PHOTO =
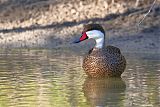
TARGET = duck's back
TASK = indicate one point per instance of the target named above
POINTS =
(104, 62)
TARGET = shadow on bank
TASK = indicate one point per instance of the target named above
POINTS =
(74, 23)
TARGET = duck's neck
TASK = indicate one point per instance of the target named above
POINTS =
(99, 43)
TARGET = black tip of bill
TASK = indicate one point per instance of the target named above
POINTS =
(76, 41)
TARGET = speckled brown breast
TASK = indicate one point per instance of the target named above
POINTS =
(105, 62)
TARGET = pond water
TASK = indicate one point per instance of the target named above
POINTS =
(54, 78)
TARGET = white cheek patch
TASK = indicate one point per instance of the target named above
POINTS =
(98, 36)
(95, 34)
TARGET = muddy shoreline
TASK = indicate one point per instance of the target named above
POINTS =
(46, 31)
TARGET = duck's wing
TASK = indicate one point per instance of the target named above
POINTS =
(116, 60)
(113, 49)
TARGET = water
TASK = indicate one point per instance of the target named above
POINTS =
(54, 78)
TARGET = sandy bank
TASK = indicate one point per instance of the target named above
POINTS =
(51, 24)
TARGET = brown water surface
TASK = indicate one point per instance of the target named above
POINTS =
(55, 78)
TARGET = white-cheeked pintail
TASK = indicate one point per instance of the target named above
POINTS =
(101, 61)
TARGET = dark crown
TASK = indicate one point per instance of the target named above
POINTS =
(90, 27)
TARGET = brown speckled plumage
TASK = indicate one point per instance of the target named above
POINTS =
(105, 61)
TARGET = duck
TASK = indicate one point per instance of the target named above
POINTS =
(101, 60)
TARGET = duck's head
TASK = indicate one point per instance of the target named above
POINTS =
(93, 31)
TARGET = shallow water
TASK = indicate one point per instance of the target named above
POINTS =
(54, 78)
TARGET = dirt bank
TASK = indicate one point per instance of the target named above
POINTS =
(55, 23)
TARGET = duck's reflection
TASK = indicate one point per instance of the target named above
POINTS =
(104, 92)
